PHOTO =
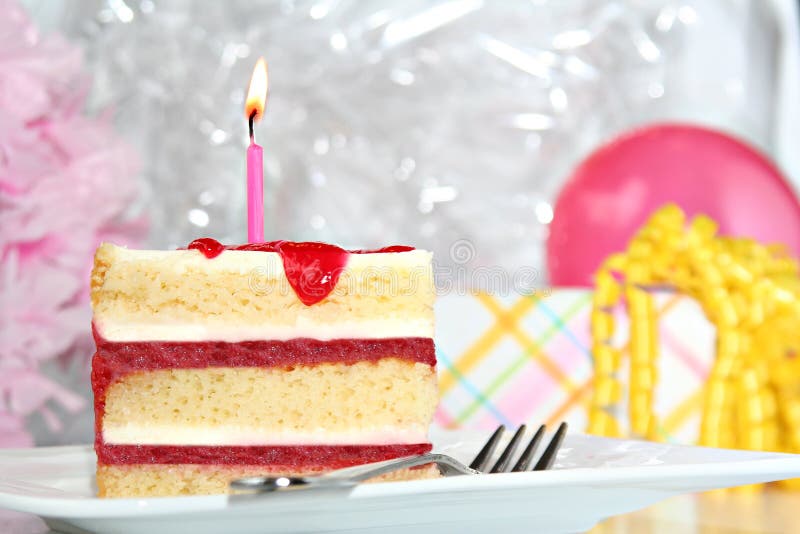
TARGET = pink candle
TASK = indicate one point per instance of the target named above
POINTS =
(255, 193)
(254, 109)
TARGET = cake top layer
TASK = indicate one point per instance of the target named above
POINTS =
(243, 295)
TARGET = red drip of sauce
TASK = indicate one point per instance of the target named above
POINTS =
(312, 268)
(278, 458)
(211, 248)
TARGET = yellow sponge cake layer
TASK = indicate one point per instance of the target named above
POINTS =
(144, 480)
(385, 401)
(140, 295)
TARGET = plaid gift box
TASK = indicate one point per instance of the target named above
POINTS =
(526, 358)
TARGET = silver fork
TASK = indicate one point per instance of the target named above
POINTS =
(448, 466)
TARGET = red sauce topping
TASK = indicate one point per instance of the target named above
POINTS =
(312, 268)
(278, 458)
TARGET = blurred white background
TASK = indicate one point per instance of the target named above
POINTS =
(421, 122)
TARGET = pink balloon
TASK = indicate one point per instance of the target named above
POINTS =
(613, 192)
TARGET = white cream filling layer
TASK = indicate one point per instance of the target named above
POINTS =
(371, 329)
(130, 434)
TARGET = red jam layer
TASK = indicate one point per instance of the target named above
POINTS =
(312, 268)
(115, 359)
(297, 458)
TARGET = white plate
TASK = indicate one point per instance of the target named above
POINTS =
(594, 478)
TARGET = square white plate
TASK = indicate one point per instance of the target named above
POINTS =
(594, 478)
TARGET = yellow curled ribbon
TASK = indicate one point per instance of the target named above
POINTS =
(750, 292)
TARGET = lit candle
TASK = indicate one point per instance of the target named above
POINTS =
(253, 110)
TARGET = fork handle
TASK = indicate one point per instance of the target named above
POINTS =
(447, 465)
(351, 476)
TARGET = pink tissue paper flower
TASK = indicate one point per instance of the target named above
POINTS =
(66, 182)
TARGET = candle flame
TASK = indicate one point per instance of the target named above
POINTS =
(257, 93)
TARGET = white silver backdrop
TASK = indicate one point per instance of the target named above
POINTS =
(417, 122)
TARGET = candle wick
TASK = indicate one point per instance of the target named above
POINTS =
(250, 122)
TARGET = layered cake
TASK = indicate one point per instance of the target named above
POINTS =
(281, 358)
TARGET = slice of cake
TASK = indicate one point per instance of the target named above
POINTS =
(282, 358)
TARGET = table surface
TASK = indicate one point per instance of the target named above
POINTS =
(770, 511)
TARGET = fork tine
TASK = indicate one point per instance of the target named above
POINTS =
(549, 454)
(480, 461)
(526, 458)
(505, 458)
